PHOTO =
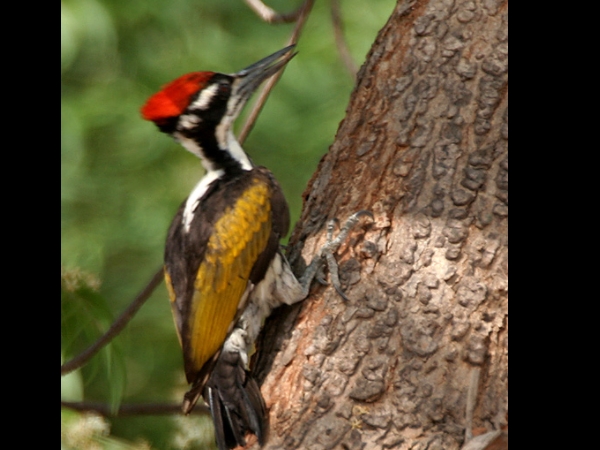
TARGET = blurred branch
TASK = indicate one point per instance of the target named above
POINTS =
(131, 409)
(340, 42)
(264, 93)
(270, 15)
(115, 328)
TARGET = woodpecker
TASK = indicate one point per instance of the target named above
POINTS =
(223, 266)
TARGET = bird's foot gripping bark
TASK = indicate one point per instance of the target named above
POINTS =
(326, 254)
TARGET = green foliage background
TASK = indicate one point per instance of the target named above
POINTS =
(122, 180)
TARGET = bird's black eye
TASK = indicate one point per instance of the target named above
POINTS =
(224, 88)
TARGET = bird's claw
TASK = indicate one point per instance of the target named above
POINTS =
(332, 245)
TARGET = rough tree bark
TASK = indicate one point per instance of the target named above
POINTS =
(424, 147)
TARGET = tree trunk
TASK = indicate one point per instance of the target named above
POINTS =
(424, 334)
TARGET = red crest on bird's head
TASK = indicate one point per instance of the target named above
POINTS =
(174, 98)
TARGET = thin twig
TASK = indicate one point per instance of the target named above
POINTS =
(264, 93)
(131, 409)
(269, 15)
(115, 328)
(340, 42)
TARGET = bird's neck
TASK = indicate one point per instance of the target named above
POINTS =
(219, 151)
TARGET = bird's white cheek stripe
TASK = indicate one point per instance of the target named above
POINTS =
(203, 100)
(188, 121)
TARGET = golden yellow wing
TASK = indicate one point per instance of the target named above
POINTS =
(237, 239)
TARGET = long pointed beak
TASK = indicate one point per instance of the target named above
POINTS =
(252, 76)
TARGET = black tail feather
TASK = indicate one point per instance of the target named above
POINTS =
(223, 433)
(235, 402)
(255, 403)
